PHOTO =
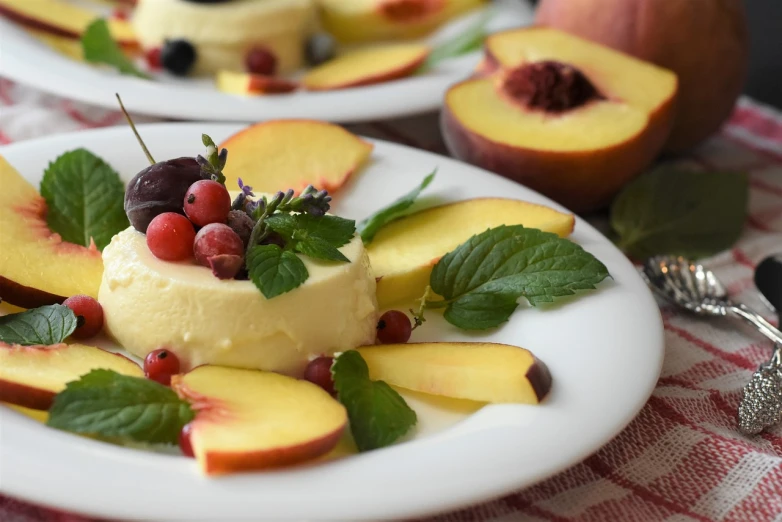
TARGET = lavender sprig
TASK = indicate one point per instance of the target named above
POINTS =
(214, 162)
(241, 201)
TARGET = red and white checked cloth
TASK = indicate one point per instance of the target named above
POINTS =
(681, 459)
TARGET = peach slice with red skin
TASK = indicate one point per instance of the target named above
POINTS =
(250, 420)
(367, 66)
(403, 253)
(36, 266)
(63, 19)
(252, 84)
(31, 376)
(485, 372)
(282, 154)
(354, 21)
(564, 116)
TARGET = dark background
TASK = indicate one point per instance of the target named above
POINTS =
(764, 81)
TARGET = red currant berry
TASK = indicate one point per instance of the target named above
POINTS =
(160, 365)
(89, 316)
(120, 14)
(394, 327)
(318, 371)
(216, 239)
(153, 58)
(207, 201)
(184, 440)
(170, 237)
(260, 60)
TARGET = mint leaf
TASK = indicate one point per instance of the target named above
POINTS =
(45, 325)
(671, 210)
(318, 248)
(106, 404)
(99, 47)
(370, 226)
(467, 41)
(378, 414)
(482, 279)
(85, 199)
(275, 271)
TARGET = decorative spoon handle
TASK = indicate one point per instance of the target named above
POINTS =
(756, 320)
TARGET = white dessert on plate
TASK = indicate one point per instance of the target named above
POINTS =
(149, 304)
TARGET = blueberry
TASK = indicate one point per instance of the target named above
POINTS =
(319, 48)
(178, 56)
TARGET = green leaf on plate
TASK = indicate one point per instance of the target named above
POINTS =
(106, 404)
(483, 278)
(467, 41)
(370, 226)
(99, 47)
(378, 414)
(672, 210)
(45, 325)
(275, 271)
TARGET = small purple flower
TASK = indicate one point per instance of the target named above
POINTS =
(248, 190)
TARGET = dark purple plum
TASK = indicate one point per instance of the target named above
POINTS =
(160, 188)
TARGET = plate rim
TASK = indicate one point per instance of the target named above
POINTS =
(27, 147)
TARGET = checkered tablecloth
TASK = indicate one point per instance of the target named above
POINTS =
(681, 459)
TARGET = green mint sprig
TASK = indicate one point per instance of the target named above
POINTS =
(107, 404)
(214, 162)
(371, 225)
(99, 47)
(467, 41)
(704, 215)
(378, 415)
(482, 280)
(46, 325)
(85, 199)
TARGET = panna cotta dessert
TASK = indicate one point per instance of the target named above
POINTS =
(149, 303)
(220, 34)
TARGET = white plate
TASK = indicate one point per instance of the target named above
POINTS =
(26, 60)
(604, 352)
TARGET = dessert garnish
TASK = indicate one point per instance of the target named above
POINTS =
(84, 199)
(46, 325)
(706, 216)
(178, 56)
(378, 414)
(99, 47)
(89, 316)
(369, 226)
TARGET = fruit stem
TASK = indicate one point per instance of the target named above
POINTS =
(133, 128)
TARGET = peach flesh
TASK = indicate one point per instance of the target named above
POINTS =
(404, 11)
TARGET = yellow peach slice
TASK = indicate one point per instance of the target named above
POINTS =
(249, 420)
(367, 66)
(252, 84)
(36, 266)
(403, 253)
(282, 154)
(485, 372)
(37, 415)
(31, 376)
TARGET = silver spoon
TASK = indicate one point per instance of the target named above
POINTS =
(698, 290)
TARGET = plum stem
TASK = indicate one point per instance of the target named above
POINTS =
(133, 128)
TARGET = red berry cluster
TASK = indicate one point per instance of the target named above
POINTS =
(172, 236)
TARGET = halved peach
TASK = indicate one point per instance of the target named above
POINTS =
(63, 19)
(367, 66)
(281, 154)
(564, 116)
(375, 20)
(36, 266)
(249, 420)
(403, 253)
(248, 84)
(485, 372)
(31, 376)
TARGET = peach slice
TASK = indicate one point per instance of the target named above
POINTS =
(252, 84)
(282, 154)
(38, 415)
(403, 253)
(31, 376)
(367, 66)
(564, 116)
(36, 266)
(62, 18)
(66, 46)
(249, 420)
(375, 20)
(484, 372)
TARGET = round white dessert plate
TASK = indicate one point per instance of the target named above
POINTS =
(604, 351)
(29, 61)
